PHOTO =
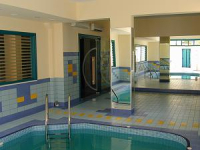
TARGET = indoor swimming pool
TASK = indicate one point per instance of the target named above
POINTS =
(92, 137)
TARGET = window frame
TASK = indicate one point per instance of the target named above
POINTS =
(113, 50)
(188, 41)
(33, 55)
(145, 46)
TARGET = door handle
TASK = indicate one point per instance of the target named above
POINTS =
(93, 70)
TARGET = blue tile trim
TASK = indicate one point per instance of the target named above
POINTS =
(20, 127)
(69, 61)
(64, 105)
(174, 91)
(0, 106)
(121, 68)
(120, 112)
(184, 134)
(71, 54)
(21, 114)
(119, 81)
(24, 90)
(153, 61)
(8, 87)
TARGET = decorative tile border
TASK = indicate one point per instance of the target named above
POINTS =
(175, 91)
(98, 129)
(21, 114)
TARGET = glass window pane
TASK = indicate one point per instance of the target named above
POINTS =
(197, 42)
(184, 42)
(173, 42)
(137, 52)
(178, 42)
(191, 42)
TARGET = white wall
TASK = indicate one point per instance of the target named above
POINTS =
(176, 59)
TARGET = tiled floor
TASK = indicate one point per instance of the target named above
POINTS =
(167, 112)
(173, 84)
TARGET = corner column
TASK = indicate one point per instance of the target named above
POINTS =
(164, 59)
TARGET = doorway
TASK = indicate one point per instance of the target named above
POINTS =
(90, 83)
(186, 58)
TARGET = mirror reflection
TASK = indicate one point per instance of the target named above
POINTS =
(121, 87)
(170, 63)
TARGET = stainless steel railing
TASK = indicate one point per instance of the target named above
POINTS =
(46, 116)
(143, 66)
(69, 117)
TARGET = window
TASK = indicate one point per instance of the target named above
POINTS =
(186, 42)
(186, 54)
(113, 55)
(141, 53)
(17, 57)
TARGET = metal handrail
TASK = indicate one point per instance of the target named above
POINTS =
(147, 68)
(46, 117)
(69, 117)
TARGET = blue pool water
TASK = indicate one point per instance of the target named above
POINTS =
(97, 137)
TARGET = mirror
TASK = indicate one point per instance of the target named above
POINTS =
(121, 58)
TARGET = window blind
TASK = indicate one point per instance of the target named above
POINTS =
(15, 58)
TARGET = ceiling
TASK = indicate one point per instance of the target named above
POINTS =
(121, 31)
(15, 12)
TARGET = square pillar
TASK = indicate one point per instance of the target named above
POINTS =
(164, 49)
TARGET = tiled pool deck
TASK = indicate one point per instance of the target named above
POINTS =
(177, 84)
(164, 112)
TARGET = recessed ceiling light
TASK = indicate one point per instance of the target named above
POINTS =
(14, 14)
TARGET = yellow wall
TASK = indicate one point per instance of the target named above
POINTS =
(178, 25)
(124, 43)
(49, 53)
(58, 47)
(140, 42)
(120, 12)
(114, 36)
(153, 51)
(61, 8)
(71, 36)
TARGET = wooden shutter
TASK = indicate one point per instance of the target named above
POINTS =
(15, 58)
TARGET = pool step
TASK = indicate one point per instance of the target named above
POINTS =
(58, 135)
(58, 141)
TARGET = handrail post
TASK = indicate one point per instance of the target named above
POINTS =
(46, 117)
(69, 117)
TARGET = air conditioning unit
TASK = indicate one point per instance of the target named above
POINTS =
(81, 25)
(96, 28)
